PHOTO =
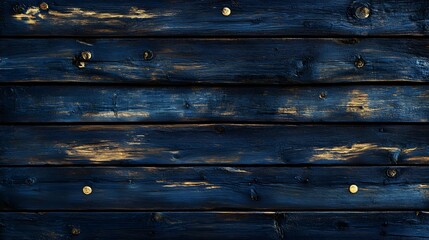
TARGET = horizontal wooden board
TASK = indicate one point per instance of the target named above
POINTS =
(205, 18)
(214, 144)
(215, 225)
(186, 104)
(213, 188)
(214, 61)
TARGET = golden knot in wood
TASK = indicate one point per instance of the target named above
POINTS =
(353, 189)
(87, 190)
(44, 6)
(148, 55)
(226, 11)
(362, 12)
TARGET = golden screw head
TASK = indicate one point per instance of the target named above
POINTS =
(359, 63)
(87, 190)
(362, 12)
(353, 189)
(391, 172)
(44, 6)
(75, 231)
(226, 11)
(86, 55)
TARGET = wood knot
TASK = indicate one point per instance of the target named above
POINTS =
(30, 181)
(43, 6)
(148, 55)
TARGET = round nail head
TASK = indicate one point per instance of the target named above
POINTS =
(75, 231)
(359, 63)
(226, 11)
(87, 190)
(353, 189)
(44, 6)
(86, 55)
(391, 172)
(362, 12)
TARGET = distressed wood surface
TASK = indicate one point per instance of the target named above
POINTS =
(213, 188)
(215, 61)
(215, 225)
(185, 104)
(204, 18)
(214, 144)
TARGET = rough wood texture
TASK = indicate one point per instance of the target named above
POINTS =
(183, 104)
(213, 188)
(215, 61)
(214, 144)
(215, 225)
(204, 17)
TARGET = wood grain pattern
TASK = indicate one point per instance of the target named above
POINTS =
(226, 144)
(213, 188)
(183, 104)
(215, 61)
(204, 17)
(214, 225)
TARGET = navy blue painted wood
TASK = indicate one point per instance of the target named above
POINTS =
(214, 61)
(213, 188)
(227, 144)
(204, 17)
(233, 104)
(214, 225)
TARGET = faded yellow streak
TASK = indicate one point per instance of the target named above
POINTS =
(346, 152)
(108, 151)
(359, 103)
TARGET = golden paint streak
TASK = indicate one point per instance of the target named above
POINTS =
(359, 103)
(134, 13)
(419, 158)
(346, 152)
(287, 110)
(187, 67)
(108, 151)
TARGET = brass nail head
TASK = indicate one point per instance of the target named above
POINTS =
(86, 55)
(44, 6)
(226, 11)
(359, 63)
(75, 231)
(391, 172)
(362, 12)
(87, 190)
(353, 189)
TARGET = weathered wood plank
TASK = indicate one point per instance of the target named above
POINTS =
(184, 104)
(214, 225)
(213, 188)
(168, 17)
(214, 144)
(192, 61)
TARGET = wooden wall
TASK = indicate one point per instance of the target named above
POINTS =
(173, 119)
